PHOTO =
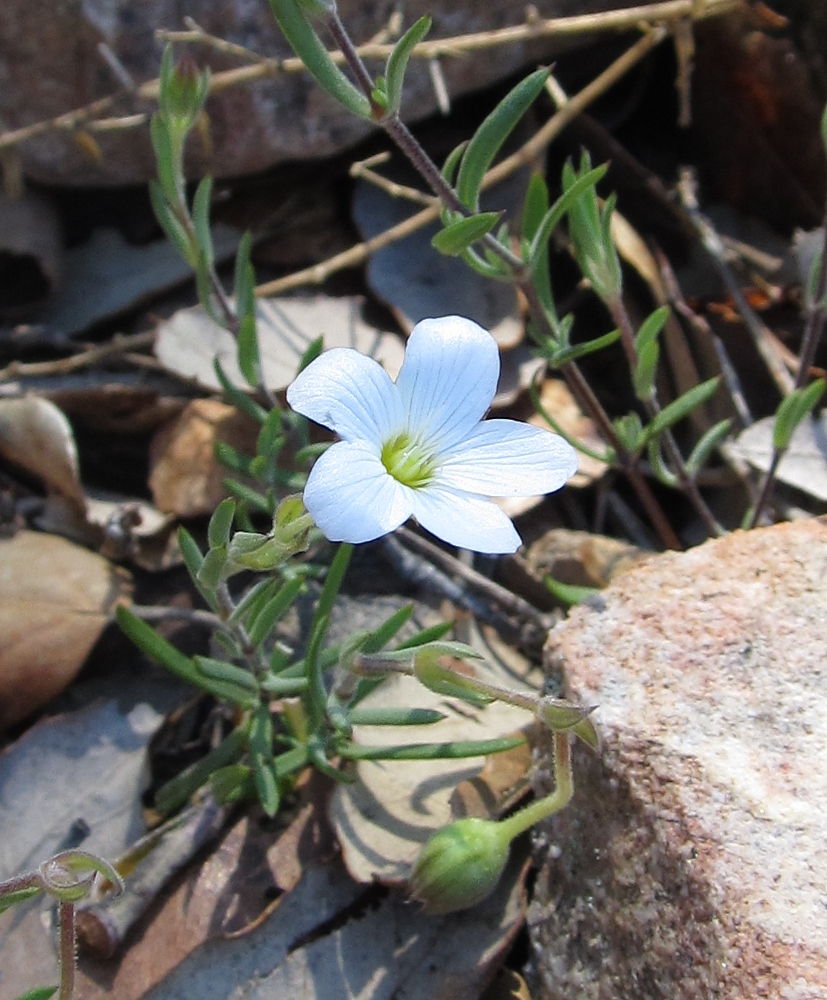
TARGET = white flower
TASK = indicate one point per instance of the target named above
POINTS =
(419, 447)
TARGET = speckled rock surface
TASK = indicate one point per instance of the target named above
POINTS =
(49, 64)
(692, 863)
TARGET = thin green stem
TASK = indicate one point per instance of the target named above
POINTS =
(687, 483)
(523, 820)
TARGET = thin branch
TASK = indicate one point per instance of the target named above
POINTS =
(263, 67)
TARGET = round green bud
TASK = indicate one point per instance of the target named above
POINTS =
(460, 865)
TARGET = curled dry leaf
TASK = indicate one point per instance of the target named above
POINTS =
(383, 819)
(55, 599)
(558, 402)
(35, 434)
(189, 342)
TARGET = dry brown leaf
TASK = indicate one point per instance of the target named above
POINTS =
(55, 599)
(185, 477)
(36, 435)
(224, 895)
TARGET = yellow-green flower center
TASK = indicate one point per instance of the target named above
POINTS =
(408, 461)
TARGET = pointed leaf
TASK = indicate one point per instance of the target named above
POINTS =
(492, 133)
(458, 236)
(398, 61)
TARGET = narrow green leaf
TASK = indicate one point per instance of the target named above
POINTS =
(660, 469)
(798, 405)
(179, 790)
(707, 444)
(202, 202)
(308, 46)
(253, 601)
(381, 636)
(452, 162)
(221, 523)
(157, 648)
(238, 397)
(492, 133)
(651, 327)
(629, 430)
(248, 355)
(13, 898)
(245, 279)
(394, 716)
(432, 634)
(233, 783)
(276, 607)
(165, 160)
(682, 406)
(552, 218)
(172, 226)
(568, 593)
(562, 356)
(535, 208)
(267, 788)
(193, 556)
(432, 751)
(458, 236)
(213, 568)
(284, 687)
(39, 993)
(312, 352)
(247, 494)
(219, 670)
(643, 376)
(398, 61)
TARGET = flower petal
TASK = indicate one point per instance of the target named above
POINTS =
(352, 498)
(448, 378)
(349, 393)
(469, 522)
(506, 458)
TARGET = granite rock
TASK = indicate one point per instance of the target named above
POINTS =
(692, 862)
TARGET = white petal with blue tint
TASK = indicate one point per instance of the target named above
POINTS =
(349, 393)
(464, 520)
(505, 458)
(448, 378)
(418, 447)
(352, 498)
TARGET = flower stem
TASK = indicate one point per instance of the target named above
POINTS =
(67, 951)
(688, 485)
(521, 821)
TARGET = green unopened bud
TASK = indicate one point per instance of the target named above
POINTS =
(292, 524)
(559, 714)
(460, 865)
(441, 675)
(183, 90)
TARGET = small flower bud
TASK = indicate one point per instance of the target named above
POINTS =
(460, 865)
(440, 677)
(183, 90)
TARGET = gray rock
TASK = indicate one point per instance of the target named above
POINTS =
(49, 64)
(692, 862)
